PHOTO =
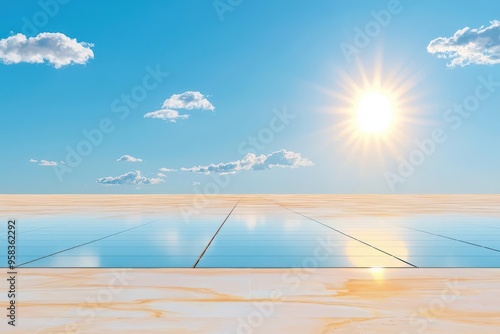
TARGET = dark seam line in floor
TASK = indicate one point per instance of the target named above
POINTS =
(220, 227)
(86, 243)
(349, 236)
(450, 238)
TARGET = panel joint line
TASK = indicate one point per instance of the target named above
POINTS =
(454, 239)
(350, 236)
(86, 243)
(220, 227)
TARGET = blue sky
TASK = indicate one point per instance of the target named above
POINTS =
(233, 72)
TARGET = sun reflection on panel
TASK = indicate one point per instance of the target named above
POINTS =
(369, 257)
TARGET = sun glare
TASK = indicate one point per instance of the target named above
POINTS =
(374, 113)
(375, 110)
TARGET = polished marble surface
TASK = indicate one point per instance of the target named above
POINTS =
(240, 301)
(290, 240)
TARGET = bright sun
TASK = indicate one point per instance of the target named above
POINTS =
(374, 110)
(374, 113)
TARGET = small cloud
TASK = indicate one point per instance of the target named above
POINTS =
(160, 175)
(166, 115)
(194, 184)
(469, 46)
(44, 163)
(130, 178)
(54, 48)
(47, 163)
(167, 170)
(128, 158)
(278, 159)
(188, 100)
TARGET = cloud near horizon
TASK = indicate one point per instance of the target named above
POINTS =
(189, 100)
(44, 163)
(130, 178)
(166, 115)
(128, 158)
(278, 159)
(54, 48)
(167, 170)
(469, 46)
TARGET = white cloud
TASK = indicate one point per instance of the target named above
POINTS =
(167, 170)
(195, 183)
(160, 175)
(166, 115)
(55, 48)
(130, 178)
(44, 163)
(278, 159)
(188, 100)
(47, 163)
(469, 46)
(128, 158)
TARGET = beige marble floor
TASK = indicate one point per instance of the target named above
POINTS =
(241, 301)
(341, 205)
(257, 301)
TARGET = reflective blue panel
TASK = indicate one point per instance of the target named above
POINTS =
(156, 244)
(280, 238)
(260, 236)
